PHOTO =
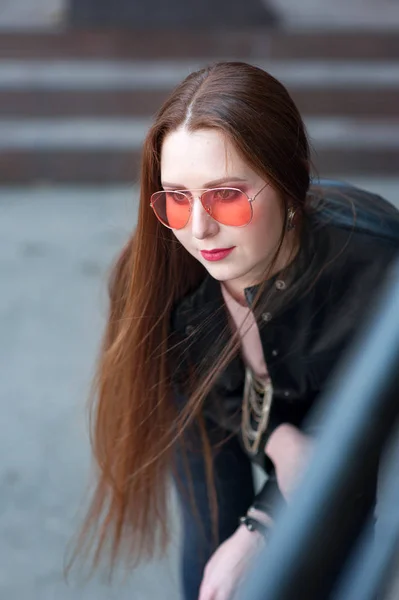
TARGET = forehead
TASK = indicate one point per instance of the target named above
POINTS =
(193, 158)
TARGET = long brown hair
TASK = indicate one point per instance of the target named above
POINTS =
(134, 423)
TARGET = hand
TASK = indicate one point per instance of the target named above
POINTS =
(290, 450)
(229, 564)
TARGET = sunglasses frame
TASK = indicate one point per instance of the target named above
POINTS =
(204, 190)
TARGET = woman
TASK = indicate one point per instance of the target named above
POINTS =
(230, 306)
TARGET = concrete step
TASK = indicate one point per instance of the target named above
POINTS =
(163, 74)
(75, 105)
(124, 133)
(138, 88)
(245, 44)
(108, 150)
(357, 103)
(122, 166)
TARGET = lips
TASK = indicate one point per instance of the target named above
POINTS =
(216, 254)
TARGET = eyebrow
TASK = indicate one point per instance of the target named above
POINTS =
(214, 183)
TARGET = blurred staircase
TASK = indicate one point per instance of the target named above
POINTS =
(75, 105)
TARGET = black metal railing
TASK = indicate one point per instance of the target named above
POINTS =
(358, 416)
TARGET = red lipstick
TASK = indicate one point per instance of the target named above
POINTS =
(217, 253)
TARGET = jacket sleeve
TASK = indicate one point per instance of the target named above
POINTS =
(269, 498)
(232, 478)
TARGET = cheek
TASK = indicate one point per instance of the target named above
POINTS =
(260, 239)
(183, 238)
(267, 223)
(257, 243)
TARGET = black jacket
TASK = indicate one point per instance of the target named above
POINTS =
(311, 310)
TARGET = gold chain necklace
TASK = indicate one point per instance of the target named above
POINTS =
(257, 401)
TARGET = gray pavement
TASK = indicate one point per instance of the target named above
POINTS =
(57, 245)
(56, 249)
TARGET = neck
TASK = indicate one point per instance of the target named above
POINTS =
(236, 292)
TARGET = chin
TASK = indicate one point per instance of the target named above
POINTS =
(224, 273)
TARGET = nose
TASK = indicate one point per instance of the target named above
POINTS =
(202, 224)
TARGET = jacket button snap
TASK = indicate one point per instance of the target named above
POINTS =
(286, 393)
(274, 352)
(280, 284)
(266, 316)
(189, 329)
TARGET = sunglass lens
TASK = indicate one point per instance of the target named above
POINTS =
(228, 206)
(171, 208)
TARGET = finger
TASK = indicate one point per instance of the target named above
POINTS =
(205, 592)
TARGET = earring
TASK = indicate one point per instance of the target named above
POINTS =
(290, 218)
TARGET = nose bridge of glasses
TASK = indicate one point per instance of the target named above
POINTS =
(200, 196)
(199, 209)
